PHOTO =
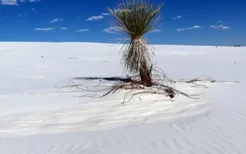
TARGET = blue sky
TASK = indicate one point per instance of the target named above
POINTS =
(196, 22)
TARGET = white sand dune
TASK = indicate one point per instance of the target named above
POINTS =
(38, 116)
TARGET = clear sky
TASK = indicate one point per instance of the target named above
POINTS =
(194, 22)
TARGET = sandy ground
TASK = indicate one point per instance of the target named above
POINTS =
(39, 116)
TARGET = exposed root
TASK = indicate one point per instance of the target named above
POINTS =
(199, 85)
(139, 93)
(161, 75)
(207, 79)
(161, 85)
(135, 87)
(175, 91)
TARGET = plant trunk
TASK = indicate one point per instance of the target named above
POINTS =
(145, 76)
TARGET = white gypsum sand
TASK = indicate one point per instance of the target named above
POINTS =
(39, 116)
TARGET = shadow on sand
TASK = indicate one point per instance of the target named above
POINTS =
(125, 80)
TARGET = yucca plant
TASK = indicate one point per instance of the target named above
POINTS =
(135, 18)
